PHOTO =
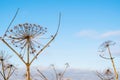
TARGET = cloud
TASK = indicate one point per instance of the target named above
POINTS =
(110, 34)
(87, 33)
(97, 35)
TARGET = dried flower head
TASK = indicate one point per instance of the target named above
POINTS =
(52, 65)
(108, 71)
(67, 65)
(106, 75)
(59, 74)
(10, 65)
(4, 56)
(26, 36)
(105, 45)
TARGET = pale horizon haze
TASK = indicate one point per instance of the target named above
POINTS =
(85, 25)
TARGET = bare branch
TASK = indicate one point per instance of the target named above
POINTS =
(53, 37)
(42, 75)
(105, 57)
(13, 50)
(100, 75)
(11, 21)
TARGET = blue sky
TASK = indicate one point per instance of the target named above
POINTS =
(85, 24)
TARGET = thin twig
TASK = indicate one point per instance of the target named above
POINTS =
(11, 22)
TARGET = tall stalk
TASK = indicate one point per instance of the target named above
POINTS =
(113, 64)
(106, 45)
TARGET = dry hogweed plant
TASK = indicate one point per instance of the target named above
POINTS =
(106, 75)
(6, 69)
(59, 75)
(27, 41)
(106, 46)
